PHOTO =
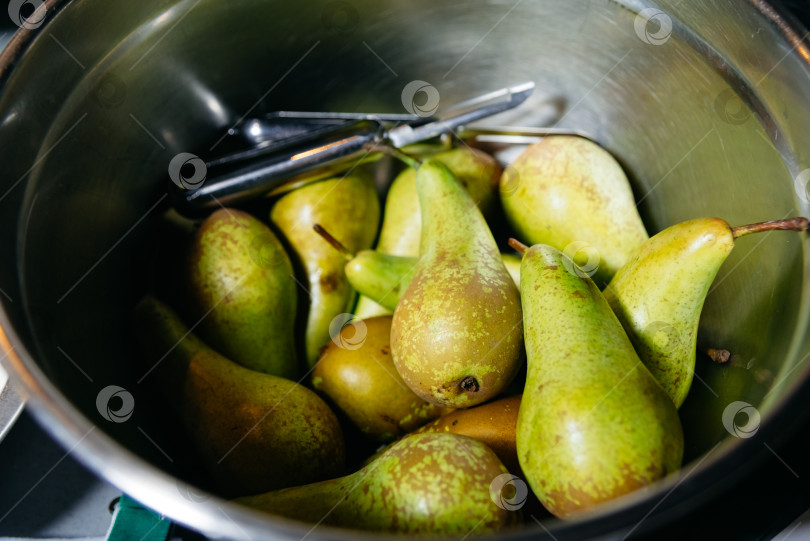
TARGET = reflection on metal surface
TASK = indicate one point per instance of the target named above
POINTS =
(652, 106)
(314, 151)
(11, 404)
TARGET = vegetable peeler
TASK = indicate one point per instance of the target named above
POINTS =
(286, 149)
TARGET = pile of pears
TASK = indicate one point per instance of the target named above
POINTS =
(390, 386)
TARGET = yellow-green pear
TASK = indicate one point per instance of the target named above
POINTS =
(594, 424)
(367, 308)
(383, 278)
(456, 337)
(380, 277)
(568, 192)
(424, 484)
(512, 264)
(658, 294)
(401, 231)
(242, 293)
(357, 373)
(347, 207)
(252, 431)
(492, 423)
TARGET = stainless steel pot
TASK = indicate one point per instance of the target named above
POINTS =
(705, 103)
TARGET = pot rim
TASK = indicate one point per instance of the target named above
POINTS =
(161, 491)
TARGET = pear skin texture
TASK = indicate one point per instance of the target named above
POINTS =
(401, 231)
(566, 189)
(381, 277)
(493, 424)
(593, 424)
(240, 289)
(659, 293)
(457, 333)
(402, 224)
(349, 209)
(384, 278)
(362, 381)
(436, 484)
(253, 432)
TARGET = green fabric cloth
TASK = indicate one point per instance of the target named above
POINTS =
(134, 522)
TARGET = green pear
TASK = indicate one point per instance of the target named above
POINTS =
(512, 264)
(253, 432)
(659, 293)
(357, 373)
(349, 208)
(437, 484)
(241, 291)
(457, 335)
(593, 424)
(367, 308)
(383, 278)
(567, 192)
(401, 230)
(492, 423)
(380, 277)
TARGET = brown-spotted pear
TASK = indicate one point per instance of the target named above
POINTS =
(659, 293)
(357, 373)
(437, 484)
(593, 423)
(401, 230)
(252, 431)
(242, 293)
(570, 193)
(349, 208)
(457, 333)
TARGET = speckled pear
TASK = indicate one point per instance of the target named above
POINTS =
(381, 277)
(658, 294)
(384, 278)
(252, 431)
(593, 423)
(358, 375)
(436, 484)
(240, 290)
(493, 423)
(401, 231)
(349, 208)
(457, 335)
(567, 189)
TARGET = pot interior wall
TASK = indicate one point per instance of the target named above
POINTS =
(104, 99)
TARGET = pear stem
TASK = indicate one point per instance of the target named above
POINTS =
(519, 246)
(336, 244)
(792, 224)
(407, 159)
